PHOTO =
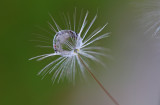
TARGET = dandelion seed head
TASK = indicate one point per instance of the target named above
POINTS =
(70, 44)
(150, 13)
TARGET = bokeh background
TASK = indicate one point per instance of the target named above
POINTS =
(132, 75)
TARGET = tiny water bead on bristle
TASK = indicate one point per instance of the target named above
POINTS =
(66, 42)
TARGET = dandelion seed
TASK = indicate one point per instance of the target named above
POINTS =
(151, 17)
(72, 47)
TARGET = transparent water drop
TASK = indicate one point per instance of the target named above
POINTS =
(66, 42)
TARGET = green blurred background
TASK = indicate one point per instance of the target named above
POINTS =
(19, 83)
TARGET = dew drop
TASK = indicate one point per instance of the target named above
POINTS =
(66, 41)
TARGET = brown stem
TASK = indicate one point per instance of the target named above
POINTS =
(99, 83)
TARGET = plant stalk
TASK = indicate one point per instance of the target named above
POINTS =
(99, 83)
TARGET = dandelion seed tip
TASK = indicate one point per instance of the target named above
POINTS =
(108, 33)
(106, 24)
(30, 59)
(49, 13)
(97, 11)
(39, 73)
(87, 12)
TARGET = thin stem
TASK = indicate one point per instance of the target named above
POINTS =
(99, 83)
